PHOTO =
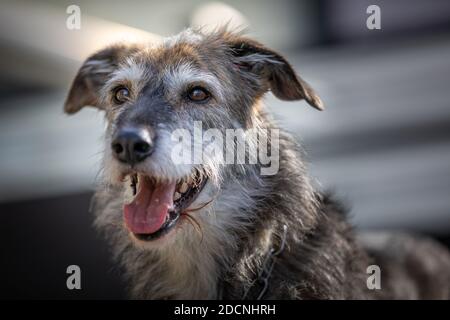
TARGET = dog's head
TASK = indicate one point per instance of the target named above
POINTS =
(189, 84)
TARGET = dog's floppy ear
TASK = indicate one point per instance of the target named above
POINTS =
(92, 75)
(275, 70)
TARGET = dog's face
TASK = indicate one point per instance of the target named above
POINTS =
(148, 93)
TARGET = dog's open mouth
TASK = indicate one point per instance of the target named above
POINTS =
(157, 206)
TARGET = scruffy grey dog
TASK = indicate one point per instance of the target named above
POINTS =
(210, 230)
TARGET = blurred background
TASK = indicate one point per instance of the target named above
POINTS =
(383, 142)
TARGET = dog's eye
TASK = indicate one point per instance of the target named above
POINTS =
(198, 94)
(121, 95)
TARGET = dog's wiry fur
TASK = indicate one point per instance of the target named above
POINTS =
(244, 212)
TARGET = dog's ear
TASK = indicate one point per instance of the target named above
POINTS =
(252, 57)
(92, 75)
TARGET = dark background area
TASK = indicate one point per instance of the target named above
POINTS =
(42, 238)
(383, 142)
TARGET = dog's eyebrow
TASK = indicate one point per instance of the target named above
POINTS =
(180, 75)
(130, 73)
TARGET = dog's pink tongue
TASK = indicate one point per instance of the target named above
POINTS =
(148, 211)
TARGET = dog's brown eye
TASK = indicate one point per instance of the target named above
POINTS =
(198, 94)
(121, 95)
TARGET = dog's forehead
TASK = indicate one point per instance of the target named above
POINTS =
(174, 56)
(185, 48)
(202, 51)
(178, 60)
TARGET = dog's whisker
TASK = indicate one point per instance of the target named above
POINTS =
(200, 207)
(195, 224)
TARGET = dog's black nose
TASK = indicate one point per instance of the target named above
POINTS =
(132, 145)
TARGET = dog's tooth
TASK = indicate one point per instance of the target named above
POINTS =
(176, 196)
(184, 187)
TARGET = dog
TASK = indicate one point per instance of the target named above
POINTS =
(213, 230)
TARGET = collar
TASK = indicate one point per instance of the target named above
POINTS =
(261, 282)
